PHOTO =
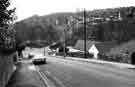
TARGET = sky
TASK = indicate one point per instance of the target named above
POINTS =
(27, 8)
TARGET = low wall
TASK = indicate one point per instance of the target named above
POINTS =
(6, 68)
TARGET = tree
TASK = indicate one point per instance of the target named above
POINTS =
(6, 15)
(131, 12)
(7, 33)
(7, 41)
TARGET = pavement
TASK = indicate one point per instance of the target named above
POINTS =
(25, 75)
(102, 62)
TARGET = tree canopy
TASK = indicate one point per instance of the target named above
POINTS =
(7, 33)
(6, 15)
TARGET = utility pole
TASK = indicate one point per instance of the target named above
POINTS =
(64, 42)
(85, 33)
(65, 29)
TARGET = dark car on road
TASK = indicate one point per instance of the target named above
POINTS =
(39, 61)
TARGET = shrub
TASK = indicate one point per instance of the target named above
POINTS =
(115, 57)
(7, 40)
(80, 54)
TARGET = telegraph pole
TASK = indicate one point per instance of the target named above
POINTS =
(64, 43)
(65, 29)
(85, 33)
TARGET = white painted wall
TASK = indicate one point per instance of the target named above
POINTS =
(94, 51)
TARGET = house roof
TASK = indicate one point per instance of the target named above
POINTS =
(103, 47)
(80, 44)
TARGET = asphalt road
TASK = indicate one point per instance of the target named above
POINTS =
(81, 74)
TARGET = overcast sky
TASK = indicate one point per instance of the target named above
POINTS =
(27, 8)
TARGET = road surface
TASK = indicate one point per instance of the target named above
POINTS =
(67, 73)
(25, 76)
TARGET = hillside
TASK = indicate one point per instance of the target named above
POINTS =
(102, 25)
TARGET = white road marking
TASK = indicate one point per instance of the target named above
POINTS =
(32, 67)
(56, 79)
(43, 78)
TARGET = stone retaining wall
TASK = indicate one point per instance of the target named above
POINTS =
(6, 68)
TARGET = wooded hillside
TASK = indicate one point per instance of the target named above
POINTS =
(103, 25)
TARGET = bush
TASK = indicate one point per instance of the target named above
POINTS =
(80, 54)
(7, 40)
(103, 57)
(122, 58)
(37, 44)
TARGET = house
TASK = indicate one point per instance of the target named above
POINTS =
(93, 50)
(95, 47)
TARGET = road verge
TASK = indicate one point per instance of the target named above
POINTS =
(96, 61)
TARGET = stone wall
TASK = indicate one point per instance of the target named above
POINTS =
(6, 68)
